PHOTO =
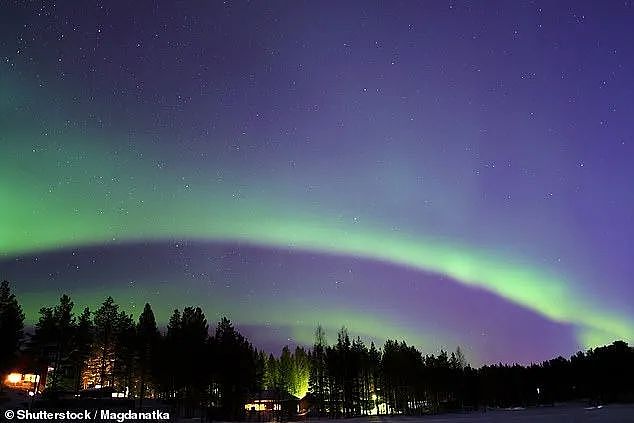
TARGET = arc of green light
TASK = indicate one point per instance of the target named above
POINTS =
(546, 295)
(77, 214)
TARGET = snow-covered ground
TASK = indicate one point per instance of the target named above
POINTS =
(569, 413)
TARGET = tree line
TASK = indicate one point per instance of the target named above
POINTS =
(107, 349)
(193, 369)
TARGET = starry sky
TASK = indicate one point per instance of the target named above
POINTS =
(449, 173)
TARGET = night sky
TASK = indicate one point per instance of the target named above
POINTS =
(448, 173)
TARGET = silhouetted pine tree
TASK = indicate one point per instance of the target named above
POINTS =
(82, 346)
(285, 370)
(260, 370)
(301, 372)
(193, 353)
(11, 327)
(105, 322)
(318, 371)
(52, 343)
(123, 373)
(235, 371)
(148, 338)
(170, 357)
(374, 373)
(271, 373)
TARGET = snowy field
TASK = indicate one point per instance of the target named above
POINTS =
(558, 414)
(565, 413)
(568, 413)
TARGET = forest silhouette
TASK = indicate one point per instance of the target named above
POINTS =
(198, 372)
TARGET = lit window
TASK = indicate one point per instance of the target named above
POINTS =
(31, 378)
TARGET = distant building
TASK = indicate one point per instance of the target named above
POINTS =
(270, 404)
(23, 381)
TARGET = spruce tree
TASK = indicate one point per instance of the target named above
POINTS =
(11, 327)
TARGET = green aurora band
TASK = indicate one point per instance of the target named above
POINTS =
(101, 196)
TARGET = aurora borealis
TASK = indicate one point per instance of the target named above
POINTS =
(446, 172)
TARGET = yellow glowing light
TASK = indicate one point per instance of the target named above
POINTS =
(14, 378)
(31, 378)
(255, 407)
